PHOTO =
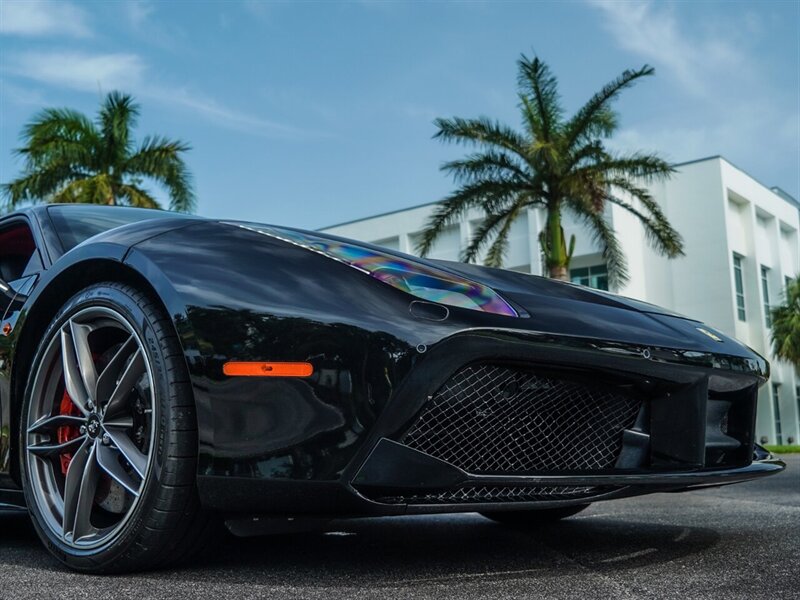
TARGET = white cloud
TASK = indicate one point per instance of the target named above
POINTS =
(678, 144)
(22, 95)
(138, 12)
(152, 29)
(730, 107)
(79, 70)
(42, 18)
(94, 73)
(213, 111)
(654, 33)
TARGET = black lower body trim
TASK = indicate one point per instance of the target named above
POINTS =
(396, 474)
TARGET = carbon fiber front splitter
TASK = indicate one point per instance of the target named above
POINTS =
(396, 475)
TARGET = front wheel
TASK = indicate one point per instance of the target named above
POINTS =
(532, 518)
(109, 435)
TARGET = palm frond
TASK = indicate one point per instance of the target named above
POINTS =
(154, 152)
(489, 195)
(79, 191)
(60, 135)
(603, 235)
(57, 123)
(786, 325)
(661, 235)
(641, 194)
(602, 125)
(485, 165)
(482, 236)
(589, 153)
(96, 189)
(39, 184)
(642, 166)
(136, 196)
(159, 159)
(102, 188)
(482, 132)
(530, 116)
(497, 251)
(595, 116)
(118, 115)
(542, 106)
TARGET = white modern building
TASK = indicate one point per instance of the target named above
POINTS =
(741, 243)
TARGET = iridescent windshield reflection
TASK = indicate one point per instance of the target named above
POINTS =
(411, 277)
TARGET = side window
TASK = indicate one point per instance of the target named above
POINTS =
(18, 255)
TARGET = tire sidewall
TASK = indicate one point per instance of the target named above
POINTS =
(116, 298)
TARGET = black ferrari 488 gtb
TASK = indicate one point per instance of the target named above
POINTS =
(159, 372)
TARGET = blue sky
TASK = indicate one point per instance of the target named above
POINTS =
(309, 114)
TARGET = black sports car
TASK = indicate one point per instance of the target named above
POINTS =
(158, 370)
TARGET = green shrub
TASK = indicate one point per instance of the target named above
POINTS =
(784, 449)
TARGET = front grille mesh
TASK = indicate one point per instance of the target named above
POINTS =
(495, 493)
(496, 419)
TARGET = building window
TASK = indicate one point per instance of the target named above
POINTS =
(739, 280)
(765, 293)
(595, 277)
(776, 412)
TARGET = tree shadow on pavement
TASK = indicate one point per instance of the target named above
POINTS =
(387, 552)
(405, 550)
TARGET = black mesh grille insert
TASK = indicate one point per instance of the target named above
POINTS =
(497, 419)
(495, 493)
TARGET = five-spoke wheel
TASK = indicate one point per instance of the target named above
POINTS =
(90, 426)
(109, 435)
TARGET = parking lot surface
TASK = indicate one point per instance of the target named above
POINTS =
(740, 541)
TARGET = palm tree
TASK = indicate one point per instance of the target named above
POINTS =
(70, 158)
(786, 325)
(559, 164)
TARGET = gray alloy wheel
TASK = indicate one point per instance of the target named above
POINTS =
(108, 433)
(90, 427)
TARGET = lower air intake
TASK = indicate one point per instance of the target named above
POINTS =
(495, 493)
(490, 419)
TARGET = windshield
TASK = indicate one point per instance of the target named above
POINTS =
(76, 224)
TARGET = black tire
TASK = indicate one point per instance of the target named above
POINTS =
(165, 522)
(536, 517)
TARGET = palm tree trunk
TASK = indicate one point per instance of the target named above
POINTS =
(559, 272)
(556, 254)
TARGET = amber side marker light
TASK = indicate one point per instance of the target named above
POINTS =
(268, 369)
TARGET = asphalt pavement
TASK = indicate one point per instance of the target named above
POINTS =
(741, 541)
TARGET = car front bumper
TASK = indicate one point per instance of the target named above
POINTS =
(689, 422)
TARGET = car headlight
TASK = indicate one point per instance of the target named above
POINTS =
(419, 280)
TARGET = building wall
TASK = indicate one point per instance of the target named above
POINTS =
(718, 209)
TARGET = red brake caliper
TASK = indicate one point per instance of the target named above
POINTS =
(67, 432)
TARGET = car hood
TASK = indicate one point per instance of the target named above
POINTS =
(568, 309)
(531, 289)
(561, 308)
